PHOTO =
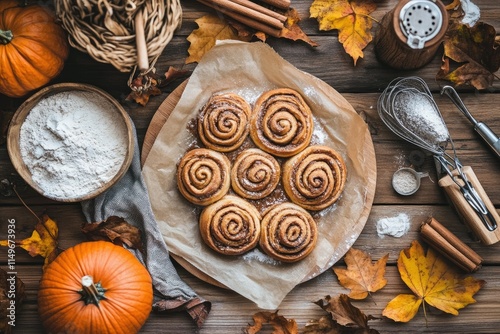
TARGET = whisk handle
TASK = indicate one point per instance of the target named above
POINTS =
(489, 137)
(468, 215)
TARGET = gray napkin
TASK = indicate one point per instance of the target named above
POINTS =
(129, 199)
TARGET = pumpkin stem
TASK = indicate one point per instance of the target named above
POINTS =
(5, 36)
(91, 293)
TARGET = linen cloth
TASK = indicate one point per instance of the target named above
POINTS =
(129, 199)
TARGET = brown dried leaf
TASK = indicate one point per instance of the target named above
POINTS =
(345, 314)
(324, 325)
(116, 230)
(280, 324)
(362, 276)
(211, 28)
(471, 55)
(171, 75)
(11, 297)
(293, 31)
(43, 240)
(143, 87)
(453, 5)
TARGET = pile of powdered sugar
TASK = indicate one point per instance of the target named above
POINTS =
(73, 143)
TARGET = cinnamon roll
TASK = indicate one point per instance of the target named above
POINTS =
(288, 232)
(223, 122)
(281, 122)
(230, 226)
(314, 178)
(255, 174)
(203, 176)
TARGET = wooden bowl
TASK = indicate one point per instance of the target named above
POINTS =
(13, 137)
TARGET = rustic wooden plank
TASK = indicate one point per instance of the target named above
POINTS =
(70, 218)
(231, 312)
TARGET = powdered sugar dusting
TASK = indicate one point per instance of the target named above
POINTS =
(419, 115)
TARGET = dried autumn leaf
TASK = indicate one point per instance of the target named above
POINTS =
(351, 18)
(362, 276)
(116, 230)
(280, 324)
(43, 240)
(211, 28)
(11, 296)
(292, 30)
(453, 5)
(146, 85)
(471, 55)
(433, 282)
(345, 314)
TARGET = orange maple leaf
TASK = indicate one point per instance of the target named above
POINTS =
(351, 18)
(433, 282)
(43, 240)
(362, 276)
(211, 28)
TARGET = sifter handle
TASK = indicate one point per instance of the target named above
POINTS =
(466, 212)
(489, 137)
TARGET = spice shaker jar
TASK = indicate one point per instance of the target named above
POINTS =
(410, 34)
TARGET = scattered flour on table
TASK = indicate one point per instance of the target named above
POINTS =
(73, 143)
(394, 226)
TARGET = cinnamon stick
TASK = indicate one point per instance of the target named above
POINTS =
(259, 8)
(446, 243)
(237, 8)
(282, 4)
(248, 18)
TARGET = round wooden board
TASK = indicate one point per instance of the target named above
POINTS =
(160, 118)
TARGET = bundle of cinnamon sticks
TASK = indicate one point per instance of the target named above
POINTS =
(252, 14)
(446, 243)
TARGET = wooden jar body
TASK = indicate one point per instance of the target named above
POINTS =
(390, 42)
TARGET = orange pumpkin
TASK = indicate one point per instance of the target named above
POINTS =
(95, 287)
(33, 48)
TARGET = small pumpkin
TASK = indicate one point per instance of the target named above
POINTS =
(95, 287)
(33, 47)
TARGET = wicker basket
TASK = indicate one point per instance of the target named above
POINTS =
(105, 28)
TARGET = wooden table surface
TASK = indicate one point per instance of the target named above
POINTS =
(361, 85)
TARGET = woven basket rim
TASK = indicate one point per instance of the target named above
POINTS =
(162, 18)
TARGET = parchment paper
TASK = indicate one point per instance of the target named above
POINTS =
(249, 69)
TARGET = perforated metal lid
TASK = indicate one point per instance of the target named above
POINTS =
(420, 21)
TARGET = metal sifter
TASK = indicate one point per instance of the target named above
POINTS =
(408, 109)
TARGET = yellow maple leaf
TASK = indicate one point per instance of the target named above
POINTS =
(362, 276)
(43, 240)
(433, 282)
(351, 19)
(211, 28)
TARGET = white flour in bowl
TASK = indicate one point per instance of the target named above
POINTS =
(73, 143)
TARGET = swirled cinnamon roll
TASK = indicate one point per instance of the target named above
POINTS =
(288, 232)
(223, 122)
(314, 178)
(203, 176)
(255, 174)
(281, 123)
(230, 226)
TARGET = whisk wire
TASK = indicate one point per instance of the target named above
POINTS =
(394, 106)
